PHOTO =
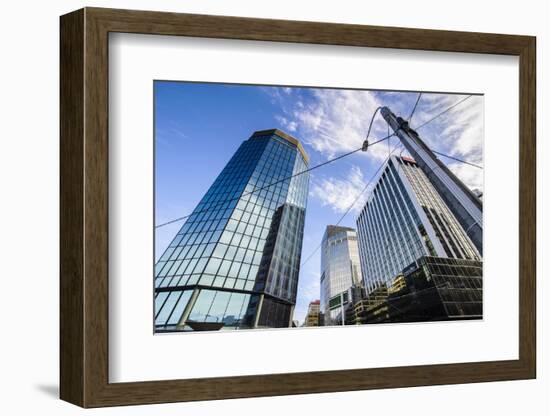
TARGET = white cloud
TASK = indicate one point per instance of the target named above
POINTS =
(286, 124)
(333, 122)
(339, 194)
(458, 133)
(470, 175)
(166, 136)
(292, 126)
(277, 94)
(336, 121)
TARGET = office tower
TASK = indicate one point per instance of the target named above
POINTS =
(313, 314)
(404, 219)
(464, 204)
(340, 270)
(235, 262)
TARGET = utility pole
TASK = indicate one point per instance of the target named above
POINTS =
(463, 203)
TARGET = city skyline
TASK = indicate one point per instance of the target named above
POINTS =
(188, 115)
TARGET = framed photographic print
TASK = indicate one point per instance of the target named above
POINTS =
(255, 207)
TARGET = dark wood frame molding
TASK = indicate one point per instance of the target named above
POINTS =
(84, 209)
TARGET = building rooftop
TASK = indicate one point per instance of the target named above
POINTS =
(335, 229)
(284, 136)
(408, 159)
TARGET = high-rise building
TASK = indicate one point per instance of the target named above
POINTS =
(235, 262)
(464, 204)
(404, 219)
(313, 314)
(340, 270)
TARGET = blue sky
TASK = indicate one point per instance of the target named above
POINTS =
(199, 126)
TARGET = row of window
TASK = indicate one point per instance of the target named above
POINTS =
(222, 242)
(337, 263)
(388, 233)
(282, 278)
(260, 189)
(169, 307)
(209, 306)
(231, 182)
(453, 239)
(230, 266)
(207, 280)
(250, 231)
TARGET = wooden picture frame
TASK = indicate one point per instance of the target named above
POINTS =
(84, 207)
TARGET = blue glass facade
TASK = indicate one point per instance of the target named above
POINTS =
(404, 219)
(236, 259)
(340, 270)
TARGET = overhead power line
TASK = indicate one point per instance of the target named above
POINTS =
(346, 212)
(443, 112)
(372, 121)
(326, 162)
(354, 201)
(414, 108)
(271, 184)
(439, 115)
(381, 165)
(457, 159)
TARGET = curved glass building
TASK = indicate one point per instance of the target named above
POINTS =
(340, 270)
(235, 262)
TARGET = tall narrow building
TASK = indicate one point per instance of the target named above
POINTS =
(235, 262)
(340, 270)
(404, 219)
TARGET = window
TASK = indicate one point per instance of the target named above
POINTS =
(167, 308)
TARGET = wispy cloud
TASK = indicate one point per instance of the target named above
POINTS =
(332, 121)
(167, 134)
(460, 130)
(340, 194)
(470, 175)
(278, 95)
(287, 124)
(336, 121)
(458, 133)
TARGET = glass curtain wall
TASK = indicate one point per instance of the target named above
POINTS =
(210, 270)
(340, 270)
(403, 220)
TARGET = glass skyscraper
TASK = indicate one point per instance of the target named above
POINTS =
(404, 219)
(340, 270)
(235, 262)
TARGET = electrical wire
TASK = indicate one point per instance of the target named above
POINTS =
(372, 121)
(439, 115)
(271, 184)
(443, 112)
(375, 173)
(328, 161)
(457, 159)
(414, 108)
(354, 201)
